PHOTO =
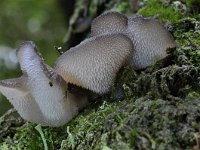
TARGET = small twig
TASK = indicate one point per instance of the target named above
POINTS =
(10, 111)
(153, 143)
(39, 129)
(70, 138)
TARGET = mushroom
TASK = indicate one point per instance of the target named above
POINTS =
(40, 95)
(115, 42)
(94, 63)
(110, 22)
(150, 39)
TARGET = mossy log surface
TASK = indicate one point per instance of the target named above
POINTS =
(160, 108)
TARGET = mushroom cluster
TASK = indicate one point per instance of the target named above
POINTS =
(115, 41)
(41, 94)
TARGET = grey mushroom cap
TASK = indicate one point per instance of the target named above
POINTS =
(107, 23)
(150, 38)
(40, 95)
(94, 63)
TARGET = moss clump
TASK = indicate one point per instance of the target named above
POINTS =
(166, 82)
(163, 13)
(187, 32)
(132, 123)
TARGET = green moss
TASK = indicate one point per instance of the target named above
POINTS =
(163, 13)
(187, 33)
(141, 123)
